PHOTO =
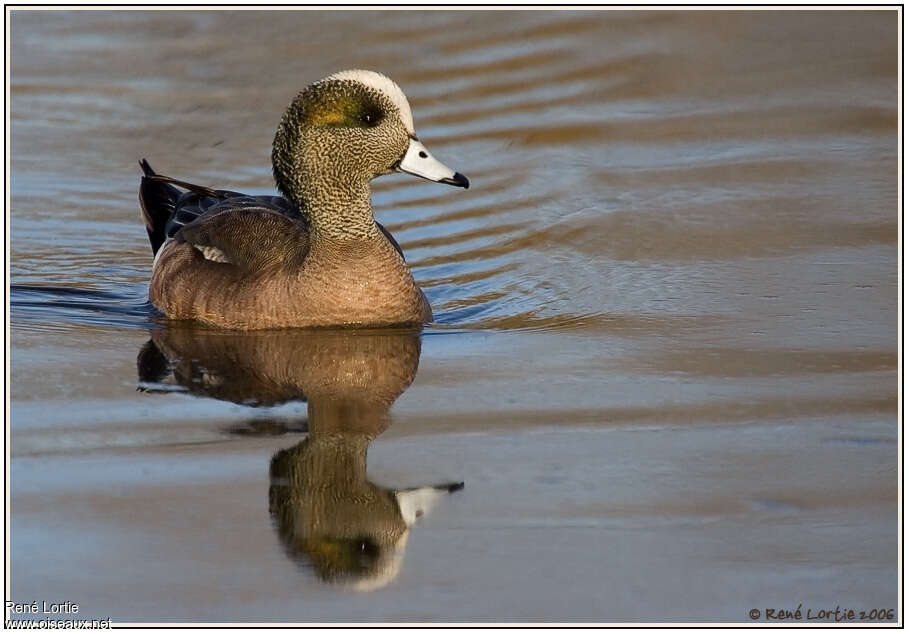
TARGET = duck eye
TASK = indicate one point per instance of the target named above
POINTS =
(371, 117)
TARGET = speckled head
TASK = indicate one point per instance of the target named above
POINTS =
(343, 131)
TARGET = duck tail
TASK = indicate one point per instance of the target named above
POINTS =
(158, 200)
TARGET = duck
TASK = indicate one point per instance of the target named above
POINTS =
(313, 256)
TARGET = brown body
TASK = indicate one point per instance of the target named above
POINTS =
(364, 282)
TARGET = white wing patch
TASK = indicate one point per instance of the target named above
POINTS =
(209, 253)
(212, 253)
(384, 85)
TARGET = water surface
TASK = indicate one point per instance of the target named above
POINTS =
(664, 361)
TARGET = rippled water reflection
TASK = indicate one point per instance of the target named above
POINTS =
(665, 355)
(327, 513)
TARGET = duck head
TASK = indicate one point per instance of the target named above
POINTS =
(345, 130)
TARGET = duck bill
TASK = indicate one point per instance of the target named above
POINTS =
(419, 162)
(415, 503)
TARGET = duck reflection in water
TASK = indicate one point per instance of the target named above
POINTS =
(327, 514)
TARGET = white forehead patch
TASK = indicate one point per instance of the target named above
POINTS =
(384, 85)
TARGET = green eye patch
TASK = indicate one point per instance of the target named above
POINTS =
(346, 111)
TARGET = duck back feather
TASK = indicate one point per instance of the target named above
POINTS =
(166, 208)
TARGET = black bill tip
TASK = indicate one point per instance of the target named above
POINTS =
(458, 180)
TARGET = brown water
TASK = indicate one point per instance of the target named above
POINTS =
(665, 357)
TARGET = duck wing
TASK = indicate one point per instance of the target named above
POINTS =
(226, 226)
(249, 232)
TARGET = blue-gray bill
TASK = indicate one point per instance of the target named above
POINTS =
(419, 162)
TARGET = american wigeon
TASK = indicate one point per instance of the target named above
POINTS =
(316, 256)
